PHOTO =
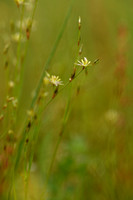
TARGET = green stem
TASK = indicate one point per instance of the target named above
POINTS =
(19, 43)
(50, 57)
(65, 118)
(66, 115)
(20, 147)
(26, 49)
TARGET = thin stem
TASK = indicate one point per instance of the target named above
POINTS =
(19, 42)
(50, 57)
(65, 118)
(20, 147)
(36, 130)
(25, 53)
(66, 114)
(70, 81)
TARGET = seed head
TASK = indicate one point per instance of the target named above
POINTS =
(79, 22)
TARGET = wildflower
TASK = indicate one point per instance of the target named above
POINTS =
(15, 103)
(83, 63)
(46, 79)
(112, 116)
(10, 99)
(27, 24)
(30, 113)
(17, 36)
(11, 84)
(10, 132)
(23, 23)
(55, 80)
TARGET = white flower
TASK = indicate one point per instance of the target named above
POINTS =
(11, 84)
(27, 22)
(17, 37)
(112, 116)
(55, 80)
(15, 103)
(83, 63)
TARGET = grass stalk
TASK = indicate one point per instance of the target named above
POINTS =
(20, 146)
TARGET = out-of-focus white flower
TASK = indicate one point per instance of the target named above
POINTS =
(15, 103)
(112, 116)
(11, 84)
(26, 23)
(17, 36)
(10, 132)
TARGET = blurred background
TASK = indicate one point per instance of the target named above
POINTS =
(94, 159)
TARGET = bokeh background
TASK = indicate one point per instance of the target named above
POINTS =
(94, 159)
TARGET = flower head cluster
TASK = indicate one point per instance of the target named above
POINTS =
(83, 63)
(55, 80)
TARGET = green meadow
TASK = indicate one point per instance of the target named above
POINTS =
(66, 100)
